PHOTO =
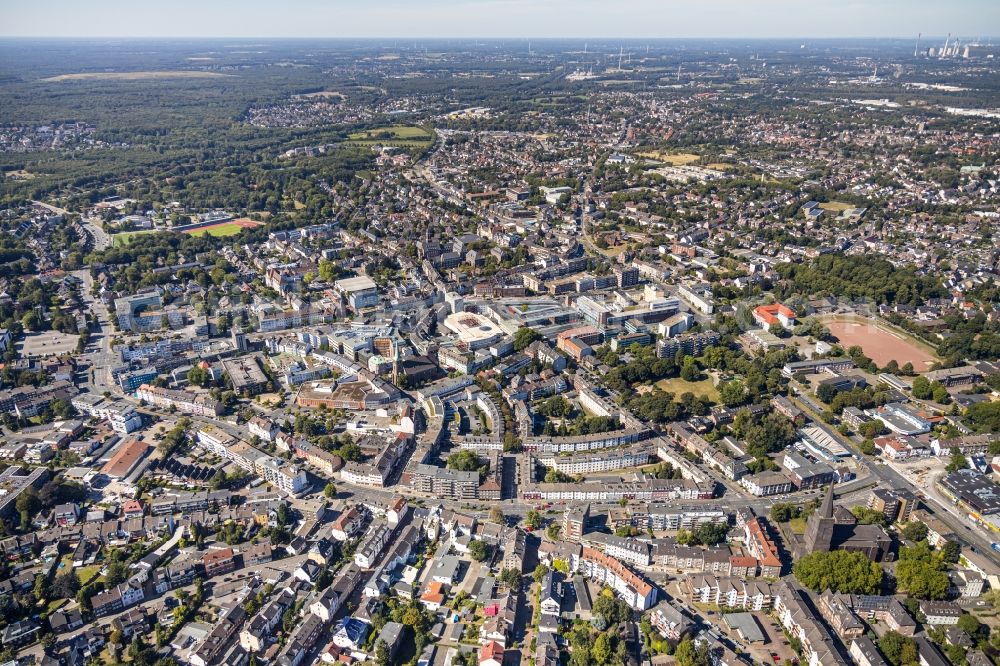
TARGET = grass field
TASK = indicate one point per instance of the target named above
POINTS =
(836, 206)
(678, 386)
(89, 572)
(797, 525)
(404, 136)
(673, 159)
(136, 76)
(124, 237)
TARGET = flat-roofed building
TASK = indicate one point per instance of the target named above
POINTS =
(360, 292)
(246, 374)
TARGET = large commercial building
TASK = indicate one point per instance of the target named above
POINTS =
(200, 404)
(973, 490)
(360, 291)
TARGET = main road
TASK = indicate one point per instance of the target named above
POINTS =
(100, 238)
(98, 350)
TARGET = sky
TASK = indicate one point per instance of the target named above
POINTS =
(498, 18)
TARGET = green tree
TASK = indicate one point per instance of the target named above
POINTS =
(920, 572)
(330, 490)
(984, 416)
(117, 572)
(914, 531)
(66, 584)
(540, 572)
(496, 515)
(867, 447)
(970, 625)
(27, 504)
(957, 461)
(464, 461)
(940, 394)
(510, 577)
(382, 657)
(688, 653)
(733, 393)
(533, 519)
(868, 516)
(602, 649)
(689, 370)
(921, 388)
(477, 550)
(32, 321)
(872, 429)
(840, 571)
(899, 650)
(524, 336)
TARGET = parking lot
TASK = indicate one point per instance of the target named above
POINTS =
(48, 343)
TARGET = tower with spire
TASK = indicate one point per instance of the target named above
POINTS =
(821, 525)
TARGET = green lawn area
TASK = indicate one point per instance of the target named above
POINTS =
(836, 206)
(54, 605)
(797, 525)
(406, 136)
(124, 237)
(88, 572)
(678, 387)
(396, 132)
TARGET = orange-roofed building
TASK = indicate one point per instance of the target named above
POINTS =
(132, 508)
(768, 315)
(125, 459)
(433, 596)
(491, 654)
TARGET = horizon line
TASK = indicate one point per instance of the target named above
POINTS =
(488, 39)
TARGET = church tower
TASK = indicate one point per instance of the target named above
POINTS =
(821, 525)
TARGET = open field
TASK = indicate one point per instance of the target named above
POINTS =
(673, 159)
(394, 132)
(137, 76)
(124, 237)
(399, 136)
(836, 206)
(879, 342)
(678, 387)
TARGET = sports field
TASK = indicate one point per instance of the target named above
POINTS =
(879, 342)
(230, 228)
(836, 206)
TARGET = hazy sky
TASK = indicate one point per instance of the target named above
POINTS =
(497, 18)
